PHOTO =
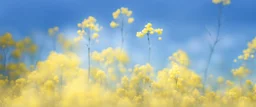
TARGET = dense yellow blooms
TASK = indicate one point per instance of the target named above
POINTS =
(224, 2)
(110, 55)
(90, 25)
(59, 81)
(130, 20)
(24, 46)
(220, 80)
(53, 31)
(149, 30)
(95, 35)
(113, 24)
(6, 40)
(180, 57)
(120, 15)
(17, 53)
(241, 72)
(249, 52)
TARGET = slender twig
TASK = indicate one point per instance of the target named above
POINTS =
(122, 32)
(89, 55)
(213, 46)
(149, 48)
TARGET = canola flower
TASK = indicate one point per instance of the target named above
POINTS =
(15, 50)
(6, 42)
(224, 2)
(120, 17)
(249, 52)
(59, 81)
(149, 30)
(90, 29)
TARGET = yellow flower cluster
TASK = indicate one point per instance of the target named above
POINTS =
(249, 52)
(59, 81)
(220, 80)
(240, 72)
(180, 57)
(123, 13)
(68, 44)
(53, 31)
(224, 2)
(90, 25)
(6, 40)
(23, 46)
(109, 56)
(149, 30)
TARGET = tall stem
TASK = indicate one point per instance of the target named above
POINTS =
(213, 45)
(122, 33)
(5, 64)
(207, 66)
(89, 56)
(149, 48)
(54, 42)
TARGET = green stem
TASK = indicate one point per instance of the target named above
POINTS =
(122, 33)
(149, 48)
(89, 56)
(213, 46)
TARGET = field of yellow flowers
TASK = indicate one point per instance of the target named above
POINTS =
(60, 81)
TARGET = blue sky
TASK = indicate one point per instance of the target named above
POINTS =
(183, 22)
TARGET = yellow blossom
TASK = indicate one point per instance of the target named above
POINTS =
(113, 24)
(130, 20)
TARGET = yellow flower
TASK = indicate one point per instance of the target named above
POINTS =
(116, 14)
(27, 40)
(33, 48)
(124, 10)
(91, 19)
(241, 72)
(248, 82)
(113, 24)
(130, 20)
(149, 25)
(216, 1)
(139, 34)
(159, 31)
(149, 30)
(17, 53)
(56, 28)
(240, 57)
(95, 35)
(226, 2)
(51, 32)
(81, 32)
(78, 38)
(129, 13)
(229, 83)
(220, 80)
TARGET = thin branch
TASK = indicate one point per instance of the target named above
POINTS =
(208, 31)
